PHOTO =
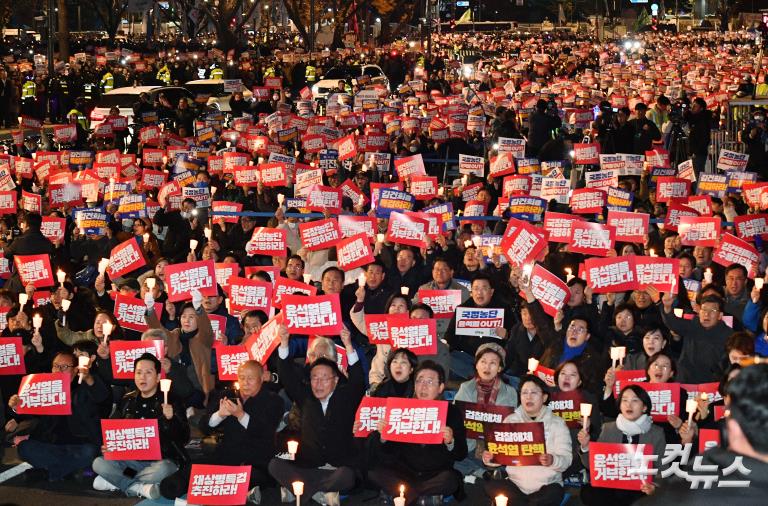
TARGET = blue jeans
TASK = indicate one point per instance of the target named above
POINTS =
(153, 471)
(58, 460)
(462, 365)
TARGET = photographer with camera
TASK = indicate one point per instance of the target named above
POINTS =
(645, 130)
(613, 131)
(544, 122)
(699, 120)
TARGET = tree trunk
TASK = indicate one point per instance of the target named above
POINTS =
(63, 33)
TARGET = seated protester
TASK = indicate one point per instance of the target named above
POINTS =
(662, 369)
(325, 461)
(487, 389)
(90, 350)
(396, 304)
(718, 291)
(95, 334)
(646, 303)
(37, 356)
(573, 344)
(421, 311)
(425, 470)
(756, 321)
(739, 346)
(463, 347)
(654, 340)
(736, 292)
(747, 438)
(633, 425)
(540, 485)
(619, 327)
(568, 381)
(251, 322)
(703, 339)
(581, 305)
(141, 478)
(442, 279)
(191, 344)
(247, 420)
(399, 380)
(59, 446)
(523, 343)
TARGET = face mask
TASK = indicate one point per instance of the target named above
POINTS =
(292, 225)
(413, 149)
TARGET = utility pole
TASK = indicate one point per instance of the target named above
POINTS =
(311, 27)
(49, 52)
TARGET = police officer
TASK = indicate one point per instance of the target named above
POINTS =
(107, 81)
(310, 74)
(28, 94)
(77, 113)
(164, 74)
(216, 71)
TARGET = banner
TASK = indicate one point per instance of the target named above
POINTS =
(131, 439)
(751, 225)
(410, 166)
(523, 245)
(389, 200)
(587, 201)
(354, 252)
(285, 286)
(699, 230)
(34, 269)
(586, 154)
(567, 405)
(477, 415)
(130, 312)
(516, 444)
(731, 160)
(658, 272)
(418, 335)
(551, 291)
(620, 466)
(321, 234)
(714, 185)
(123, 355)
(228, 360)
(45, 394)
(53, 228)
(218, 485)
(11, 356)
(321, 198)
(369, 413)
(668, 188)
(124, 258)
(319, 315)
(183, 278)
(378, 328)
(415, 421)
(558, 225)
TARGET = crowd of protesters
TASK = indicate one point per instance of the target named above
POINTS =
(544, 93)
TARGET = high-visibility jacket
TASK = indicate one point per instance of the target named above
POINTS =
(270, 72)
(81, 119)
(107, 82)
(310, 74)
(164, 75)
(217, 73)
(89, 90)
(28, 90)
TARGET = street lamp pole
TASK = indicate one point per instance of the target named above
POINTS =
(311, 27)
(49, 52)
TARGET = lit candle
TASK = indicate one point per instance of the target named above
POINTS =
(298, 489)
(293, 448)
(192, 245)
(467, 243)
(106, 329)
(379, 237)
(280, 199)
(614, 356)
(652, 252)
(307, 278)
(533, 364)
(207, 233)
(678, 312)
(165, 159)
(501, 500)
(708, 276)
(586, 410)
(759, 283)
(65, 303)
(61, 276)
(82, 362)
(103, 264)
(165, 387)
(400, 501)
(464, 180)
(145, 236)
(568, 274)
(402, 491)
(690, 407)
(404, 290)
(150, 283)
(361, 280)
(477, 241)
(441, 191)
(37, 322)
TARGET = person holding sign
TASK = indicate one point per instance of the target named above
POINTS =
(30, 242)
(147, 401)
(326, 456)
(401, 364)
(426, 470)
(542, 484)
(59, 446)
(633, 425)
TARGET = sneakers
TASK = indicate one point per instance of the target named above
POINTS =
(103, 485)
(145, 490)
(286, 495)
(254, 496)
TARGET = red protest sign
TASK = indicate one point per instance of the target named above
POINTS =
(749, 225)
(665, 398)
(610, 274)
(45, 394)
(620, 466)
(227, 207)
(699, 230)
(516, 444)
(34, 269)
(273, 174)
(588, 201)
(442, 302)
(410, 166)
(549, 290)
(558, 225)
(656, 271)
(567, 405)
(218, 485)
(369, 413)
(319, 315)
(626, 376)
(123, 354)
(248, 294)
(53, 228)
(11, 356)
(346, 147)
(321, 198)
(264, 341)
(285, 286)
(523, 245)
(268, 241)
(419, 336)
(733, 250)
(354, 252)
(676, 211)
(321, 234)
(668, 187)
(8, 202)
(225, 271)
(415, 421)
(378, 328)
(125, 257)
(183, 278)
(228, 359)
(131, 312)
(586, 154)
(630, 227)
(131, 439)
(708, 439)
(423, 187)
(410, 230)
(591, 238)
(477, 415)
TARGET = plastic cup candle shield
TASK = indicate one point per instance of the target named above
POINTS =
(532, 365)
(379, 237)
(280, 199)
(759, 282)
(37, 322)
(23, 298)
(568, 274)
(65, 303)
(501, 500)
(708, 276)
(361, 280)
(82, 362)
(690, 407)
(207, 233)
(293, 448)
(192, 244)
(298, 488)
(145, 237)
(150, 283)
(103, 264)
(61, 276)
(404, 290)
(165, 387)
(106, 328)
(586, 410)
(307, 278)
(467, 243)
(678, 312)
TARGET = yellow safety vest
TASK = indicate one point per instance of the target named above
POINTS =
(81, 119)
(217, 73)
(164, 75)
(107, 82)
(28, 90)
(270, 72)
(310, 74)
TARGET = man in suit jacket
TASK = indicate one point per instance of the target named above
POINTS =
(30, 242)
(326, 457)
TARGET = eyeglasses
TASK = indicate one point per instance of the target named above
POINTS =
(62, 367)
(709, 311)
(428, 382)
(577, 330)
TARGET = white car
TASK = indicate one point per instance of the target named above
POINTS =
(124, 98)
(219, 99)
(330, 80)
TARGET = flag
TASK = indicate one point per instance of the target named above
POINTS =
(465, 18)
(561, 15)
